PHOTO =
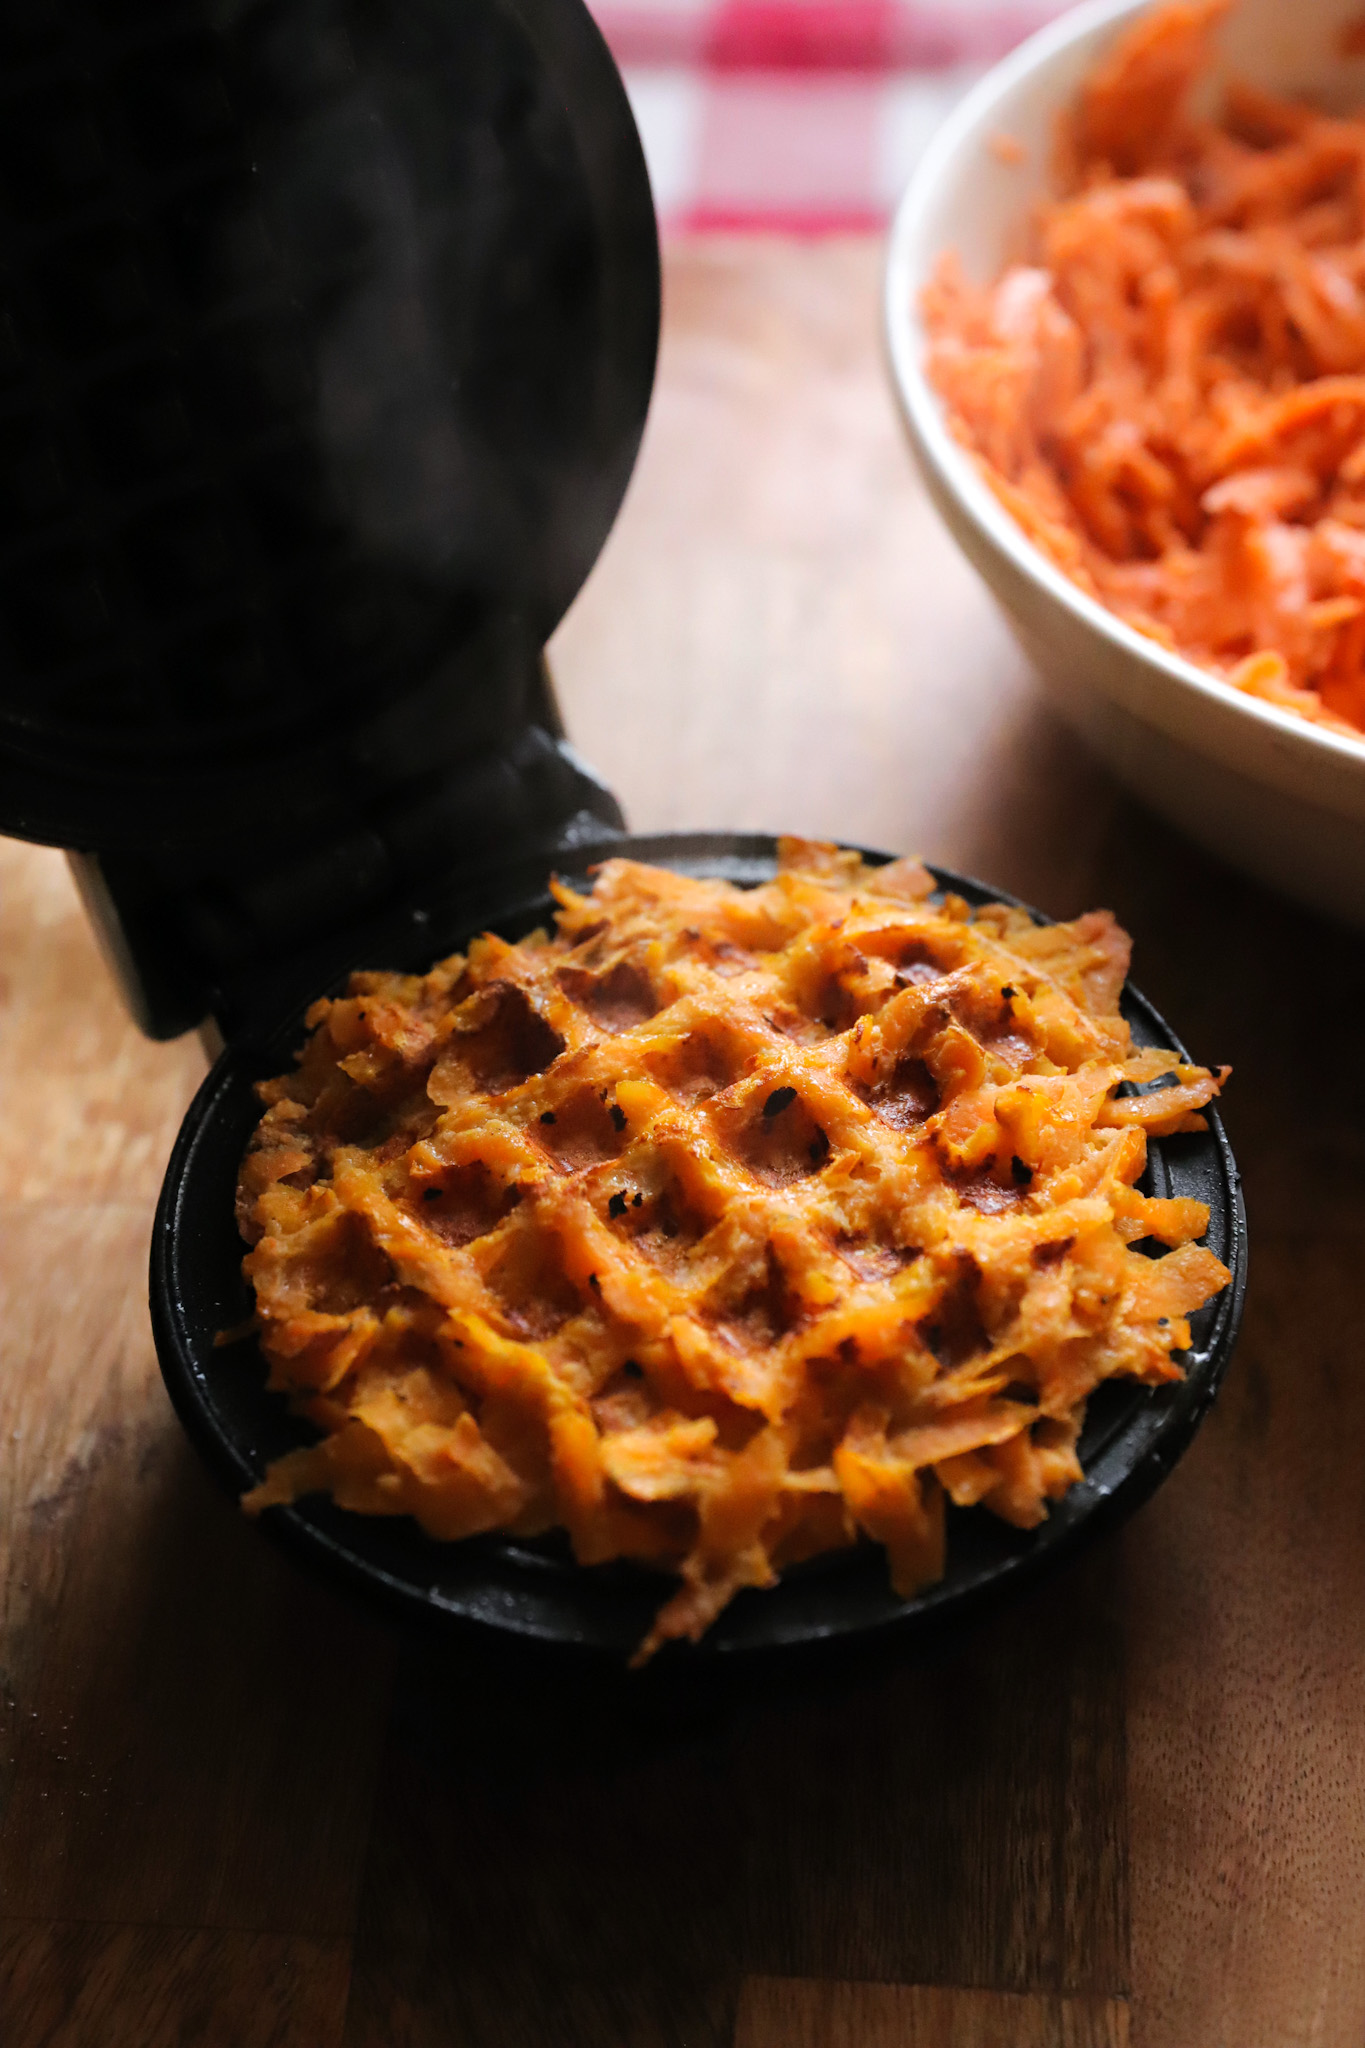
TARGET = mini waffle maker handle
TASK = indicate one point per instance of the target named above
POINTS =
(327, 335)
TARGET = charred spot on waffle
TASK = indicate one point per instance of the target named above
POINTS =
(908, 1096)
(983, 1191)
(763, 1311)
(1002, 1035)
(922, 960)
(838, 1002)
(871, 1260)
(795, 1024)
(1045, 1255)
(536, 1296)
(834, 1387)
(343, 1268)
(507, 1040)
(616, 1001)
(986, 1009)
(728, 959)
(697, 1067)
(778, 1139)
(466, 1203)
(766, 1309)
(584, 1132)
(394, 1113)
(664, 1224)
(954, 1331)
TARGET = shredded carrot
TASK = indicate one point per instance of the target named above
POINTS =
(1169, 398)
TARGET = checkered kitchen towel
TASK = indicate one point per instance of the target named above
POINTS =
(806, 115)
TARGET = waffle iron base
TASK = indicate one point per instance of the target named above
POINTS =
(534, 1590)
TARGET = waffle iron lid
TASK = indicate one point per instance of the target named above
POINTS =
(327, 335)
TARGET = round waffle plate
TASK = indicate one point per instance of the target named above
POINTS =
(534, 1590)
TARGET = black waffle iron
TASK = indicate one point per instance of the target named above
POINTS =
(327, 334)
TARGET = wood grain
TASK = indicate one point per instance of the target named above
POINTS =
(190, 1729)
(1136, 1796)
(1246, 1588)
(201, 1742)
(91, 1107)
(70, 1986)
(65, 1357)
(784, 2012)
(543, 1860)
(780, 635)
(882, 658)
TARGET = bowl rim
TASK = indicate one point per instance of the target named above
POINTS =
(905, 270)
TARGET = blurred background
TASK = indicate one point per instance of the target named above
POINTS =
(804, 115)
(780, 633)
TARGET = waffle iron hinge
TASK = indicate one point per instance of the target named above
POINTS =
(204, 947)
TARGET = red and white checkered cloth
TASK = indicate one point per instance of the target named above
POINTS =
(807, 115)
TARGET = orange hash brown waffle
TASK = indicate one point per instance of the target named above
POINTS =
(723, 1226)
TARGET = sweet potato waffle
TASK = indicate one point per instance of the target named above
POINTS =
(722, 1227)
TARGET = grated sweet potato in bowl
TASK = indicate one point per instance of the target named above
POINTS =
(1168, 395)
(722, 1227)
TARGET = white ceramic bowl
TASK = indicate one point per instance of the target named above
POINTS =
(1271, 792)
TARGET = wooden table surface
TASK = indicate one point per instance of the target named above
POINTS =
(1132, 1807)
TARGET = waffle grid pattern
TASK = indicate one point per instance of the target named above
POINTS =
(723, 1227)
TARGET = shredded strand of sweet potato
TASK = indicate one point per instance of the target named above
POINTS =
(1169, 397)
(723, 1226)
